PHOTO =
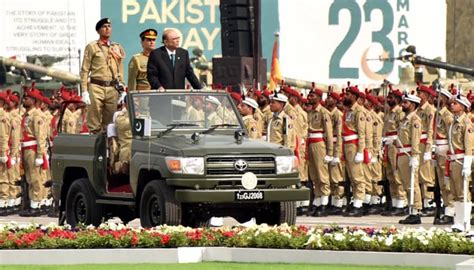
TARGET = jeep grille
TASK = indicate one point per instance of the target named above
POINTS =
(224, 165)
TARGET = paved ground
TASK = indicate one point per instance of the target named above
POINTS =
(374, 221)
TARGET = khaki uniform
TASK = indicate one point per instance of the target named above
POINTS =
(320, 145)
(46, 172)
(426, 114)
(102, 64)
(124, 139)
(267, 115)
(461, 143)
(303, 134)
(14, 171)
(194, 115)
(353, 136)
(251, 127)
(376, 168)
(137, 73)
(443, 121)
(4, 153)
(336, 172)
(391, 123)
(281, 129)
(259, 117)
(369, 142)
(409, 133)
(291, 112)
(33, 147)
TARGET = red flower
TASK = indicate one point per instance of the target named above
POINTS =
(228, 234)
(134, 241)
(165, 239)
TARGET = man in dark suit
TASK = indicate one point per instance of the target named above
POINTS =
(169, 65)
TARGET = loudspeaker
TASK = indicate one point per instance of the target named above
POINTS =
(237, 26)
(230, 71)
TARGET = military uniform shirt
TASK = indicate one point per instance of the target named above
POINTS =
(137, 73)
(461, 135)
(251, 127)
(409, 133)
(354, 120)
(4, 132)
(336, 119)
(426, 114)
(319, 120)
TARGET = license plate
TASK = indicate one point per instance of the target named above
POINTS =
(254, 195)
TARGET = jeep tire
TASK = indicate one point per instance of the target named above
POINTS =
(158, 205)
(81, 206)
(280, 212)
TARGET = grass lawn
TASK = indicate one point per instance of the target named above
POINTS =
(209, 266)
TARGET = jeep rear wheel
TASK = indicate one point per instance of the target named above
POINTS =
(158, 205)
(282, 212)
(81, 206)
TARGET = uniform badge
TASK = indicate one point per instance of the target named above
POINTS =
(430, 116)
(349, 116)
(470, 130)
(417, 126)
(361, 119)
(290, 126)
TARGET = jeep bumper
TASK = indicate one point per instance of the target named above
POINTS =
(229, 195)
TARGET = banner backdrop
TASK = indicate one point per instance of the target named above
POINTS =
(331, 40)
(48, 27)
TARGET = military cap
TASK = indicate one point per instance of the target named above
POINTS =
(236, 97)
(250, 102)
(372, 99)
(46, 100)
(317, 91)
(445, 93)
(426, 89)
(412, 98)
(149, 33)
(462, 100)
(4, 97)
(213, 100)
(103, 21)
(279, 97)
(334, 95)
(354, 90)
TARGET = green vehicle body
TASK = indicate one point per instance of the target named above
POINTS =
(195, 197)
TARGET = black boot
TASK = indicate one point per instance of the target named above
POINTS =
(302, 210)
(30, 212)
(334, 211)
(375, 209)
(321, 212)
(445, 220)
(411, 219)
(312, 210)
(354, 212)
(428, 212)
(4, 211)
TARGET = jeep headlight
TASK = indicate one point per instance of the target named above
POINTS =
(185, 165)
(286, 164)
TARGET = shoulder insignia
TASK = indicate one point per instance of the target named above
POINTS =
(417, 125)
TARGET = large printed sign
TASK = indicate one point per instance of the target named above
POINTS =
(48, 27)
(334, 41)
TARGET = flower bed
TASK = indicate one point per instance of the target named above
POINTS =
(111, 235)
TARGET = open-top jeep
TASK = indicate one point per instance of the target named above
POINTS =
(187, 165)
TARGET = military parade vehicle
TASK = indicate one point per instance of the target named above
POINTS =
(186, 166)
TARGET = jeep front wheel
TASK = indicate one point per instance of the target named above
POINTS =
(158, 205)
(279, 213)
(81, 206)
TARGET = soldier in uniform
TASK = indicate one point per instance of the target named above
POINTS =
(46, 173)
(264, 105)
(103, 65)
(33, 149)
(392, 121)
(14, 176)
(320, 153)
(461, 151)
(211, 110)
(5, 159)
(194, 112)
(426, 112)
(353, 136)
(336, 169)
(375, 166)
(137, 66)
(124, 140)
(409, 133)
(280, 128)
(444, 119)
(247, 109)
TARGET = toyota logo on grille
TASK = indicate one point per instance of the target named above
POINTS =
(240, 165)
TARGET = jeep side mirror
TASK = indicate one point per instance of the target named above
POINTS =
(238, 136)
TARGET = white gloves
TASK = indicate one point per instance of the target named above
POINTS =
(335, 161)
(359, 157)
(327, 159)
(434, 149)
(374, 159)
(387, 141)
(414, 162)
(13, 161)
(466, 166)
(122, 97)
(3, 159)
(85, 97)
(38, 162)
(427, 156)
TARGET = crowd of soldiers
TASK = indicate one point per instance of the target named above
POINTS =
(27, 131)
(378, 155)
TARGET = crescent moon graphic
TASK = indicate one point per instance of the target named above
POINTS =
(369, 73)
(138, 126)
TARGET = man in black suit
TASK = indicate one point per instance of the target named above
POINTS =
(169, 65)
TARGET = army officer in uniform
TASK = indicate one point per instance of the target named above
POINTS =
(137, 66)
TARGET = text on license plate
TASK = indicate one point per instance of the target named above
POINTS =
(254, 195)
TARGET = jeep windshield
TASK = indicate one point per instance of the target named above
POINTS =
(184, 111)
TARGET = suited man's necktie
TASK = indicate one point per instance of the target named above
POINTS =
(172, 59)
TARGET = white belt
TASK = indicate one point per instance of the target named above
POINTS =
(443, 149)
(334, 139)
(441, 141)
(84, 133)
(28, 143)
(392, 137)
(456, 156)
(316, 135)
(404, 150)
(350, 137)
(423, 136)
